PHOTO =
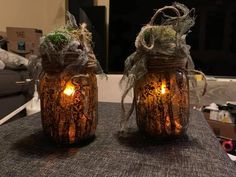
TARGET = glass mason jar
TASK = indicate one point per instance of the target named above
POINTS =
(162, 98)
(69, 102)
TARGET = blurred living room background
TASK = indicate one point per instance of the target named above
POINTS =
(115, 25)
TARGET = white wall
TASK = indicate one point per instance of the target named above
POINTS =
(42, 14)
(109, 90)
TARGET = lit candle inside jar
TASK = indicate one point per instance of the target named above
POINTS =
(163, 88)
(162, 104)
(69, 90)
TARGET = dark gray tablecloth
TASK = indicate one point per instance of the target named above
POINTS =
(25, 152)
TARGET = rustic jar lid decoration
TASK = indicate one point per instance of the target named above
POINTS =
(158, 74)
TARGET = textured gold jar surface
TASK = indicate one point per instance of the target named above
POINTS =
(69, 106)
(162, 103)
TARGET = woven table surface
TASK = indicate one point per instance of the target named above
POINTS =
(25, 152)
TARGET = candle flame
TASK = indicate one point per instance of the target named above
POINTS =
(163, 89)
(69, 90)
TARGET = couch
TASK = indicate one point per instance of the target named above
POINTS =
(14, 92)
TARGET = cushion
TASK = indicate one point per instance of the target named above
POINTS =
(13, 61)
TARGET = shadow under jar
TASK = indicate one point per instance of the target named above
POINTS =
(69, 101)
(162, 97)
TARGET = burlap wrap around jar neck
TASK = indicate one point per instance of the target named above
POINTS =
(52, 63)
(161, 63)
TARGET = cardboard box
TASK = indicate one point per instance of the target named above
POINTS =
(221, 129)
(3, 40)
(3, 34)
(24, 41)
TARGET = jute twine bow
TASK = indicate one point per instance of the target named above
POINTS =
(138, 60)
(140, 43)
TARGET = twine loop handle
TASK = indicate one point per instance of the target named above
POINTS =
(151, 22)
(141, 43)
